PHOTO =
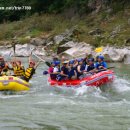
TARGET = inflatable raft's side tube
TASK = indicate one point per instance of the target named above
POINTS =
(13, 83)
(93, 80)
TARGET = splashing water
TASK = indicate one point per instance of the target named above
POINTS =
(121, 85)
(62, 108)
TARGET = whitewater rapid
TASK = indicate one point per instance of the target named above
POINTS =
(61, 108)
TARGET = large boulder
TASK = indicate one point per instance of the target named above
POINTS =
(78, 50)
(66, 46)
(127, 58)
(59, 39)
(6, 51)
(70, 44)
(40, 51)
(114, 54)
(25, 50)
(38, 41)
(69, 35)
(22, 50)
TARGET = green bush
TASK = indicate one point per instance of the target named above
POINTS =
(104, 15)
(116, 7)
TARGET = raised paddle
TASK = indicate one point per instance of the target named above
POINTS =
(46, 62)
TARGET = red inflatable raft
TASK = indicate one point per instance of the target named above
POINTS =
(97, 80)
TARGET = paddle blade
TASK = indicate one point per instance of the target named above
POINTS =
(48, 63)
(45, 72)
(99, 49)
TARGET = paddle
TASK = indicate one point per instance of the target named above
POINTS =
(46, 62)
(99, 70)
(111, 67)
(45, 72)
(106, 69)
(99, 49)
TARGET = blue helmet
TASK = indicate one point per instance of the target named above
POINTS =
(53, 62)
(57, 62)
(71, 62)
(91, 59)
(101, 57)
(80, 59)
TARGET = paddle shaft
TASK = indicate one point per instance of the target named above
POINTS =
(46, 62)
(38, 57)
(106, 69)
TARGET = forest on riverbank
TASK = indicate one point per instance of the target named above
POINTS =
(99, 22)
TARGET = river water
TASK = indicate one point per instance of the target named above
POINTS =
(84, 108)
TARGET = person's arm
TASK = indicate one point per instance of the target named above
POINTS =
(62, 73)
(86, 67)
(55, 73)
(75, 73)
(14, 59)
(104, 66)
(78, 68)
(92, 71)
(76, 64)
(17, 63)
(10, 66)
(95, 70)
(23, 67)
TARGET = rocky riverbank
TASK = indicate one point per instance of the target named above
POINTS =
(66, 44)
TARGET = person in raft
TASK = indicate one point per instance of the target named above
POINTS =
(18, 68)
(80, 68)
(77, 69)
(90, 67)
(100, 64)
(30, 71)
(64, 72)
(56, 69)
(6, 70)
(4, 67)
(72, 70)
